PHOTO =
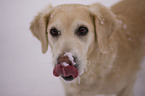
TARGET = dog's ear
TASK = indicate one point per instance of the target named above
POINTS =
(39, 27)
(104, 25)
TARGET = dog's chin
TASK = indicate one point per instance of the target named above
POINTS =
(70, 78)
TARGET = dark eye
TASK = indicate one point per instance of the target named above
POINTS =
(82, 31)
(54, 32)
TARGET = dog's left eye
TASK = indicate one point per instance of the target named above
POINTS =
(82, 31)
(54, 32)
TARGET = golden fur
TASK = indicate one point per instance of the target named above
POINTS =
(112, 50)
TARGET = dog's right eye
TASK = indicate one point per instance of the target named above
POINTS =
(54, 32)
(82, 31)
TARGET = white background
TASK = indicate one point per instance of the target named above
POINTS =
(24, 70)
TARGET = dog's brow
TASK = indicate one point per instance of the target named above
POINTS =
(54, 24)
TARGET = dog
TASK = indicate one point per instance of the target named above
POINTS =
(96, 50)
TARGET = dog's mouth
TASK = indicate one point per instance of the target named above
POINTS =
(66, 67)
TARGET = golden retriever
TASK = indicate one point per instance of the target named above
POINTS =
(96, 50)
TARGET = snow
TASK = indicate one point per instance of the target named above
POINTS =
(65, 64)
(52, 15)
(124, 26)
(110, 66)
(70, 56)
(130, 39)
(120, 21)
(24, 70)
(102, 22)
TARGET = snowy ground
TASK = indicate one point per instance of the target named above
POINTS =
(24, 70)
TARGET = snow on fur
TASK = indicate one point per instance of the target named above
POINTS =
(71, 58)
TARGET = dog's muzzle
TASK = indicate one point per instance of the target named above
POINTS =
(66, 67)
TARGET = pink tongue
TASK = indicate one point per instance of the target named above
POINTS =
(65, 71)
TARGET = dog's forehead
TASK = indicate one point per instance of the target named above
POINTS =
(70, 12)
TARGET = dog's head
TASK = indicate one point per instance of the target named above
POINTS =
(73, 31)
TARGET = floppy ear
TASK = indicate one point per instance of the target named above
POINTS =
(39, 27)
(104, 23)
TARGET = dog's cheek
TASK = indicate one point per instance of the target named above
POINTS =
(87, 50)
(82, 67)
(82, 60)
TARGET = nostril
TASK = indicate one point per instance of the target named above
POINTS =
(75, 59)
